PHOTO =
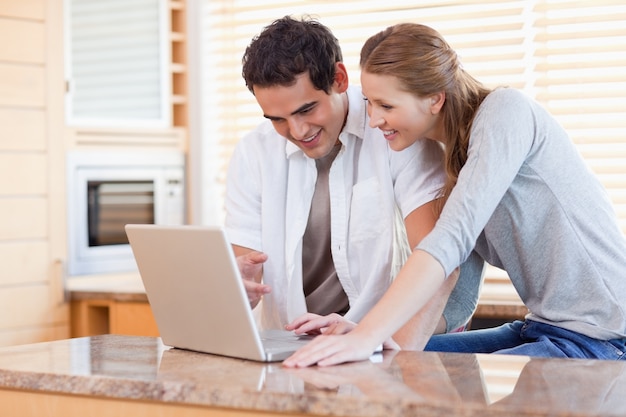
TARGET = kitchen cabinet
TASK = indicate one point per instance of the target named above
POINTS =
(110, 304)
(101, 316)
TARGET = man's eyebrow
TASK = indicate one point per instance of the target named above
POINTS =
(305, 106)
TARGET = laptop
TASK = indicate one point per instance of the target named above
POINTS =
(197, 295)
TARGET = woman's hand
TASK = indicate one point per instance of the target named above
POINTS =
(333, 349)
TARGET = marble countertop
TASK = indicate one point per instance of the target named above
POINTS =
(394, 384)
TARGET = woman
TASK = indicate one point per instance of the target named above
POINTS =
(517, 192)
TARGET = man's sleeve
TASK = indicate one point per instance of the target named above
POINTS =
(464, 297)
(243, 200)
(418, 174)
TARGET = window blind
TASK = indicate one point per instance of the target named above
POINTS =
(117, 63)
(580, 71)
(491, 37)
(569, 55)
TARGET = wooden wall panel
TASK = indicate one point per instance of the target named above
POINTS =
(23, 262)
(33, 335)
(23, 218)
(28, 41)
(23, 174)
(32, 172)
(23, 9)
(22, 85)
(22, 129)
(30, 306)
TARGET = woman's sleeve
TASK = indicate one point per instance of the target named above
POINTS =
(500, 140)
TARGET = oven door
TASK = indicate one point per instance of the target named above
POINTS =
(111, 204)
(104, 200)
(106, 191)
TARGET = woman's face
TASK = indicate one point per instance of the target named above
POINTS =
(402, 117)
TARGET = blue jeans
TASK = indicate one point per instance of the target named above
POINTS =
(529, 338)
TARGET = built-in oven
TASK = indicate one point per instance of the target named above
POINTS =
(106, 191)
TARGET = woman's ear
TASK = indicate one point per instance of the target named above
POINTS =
(341, 77)
(436, 102)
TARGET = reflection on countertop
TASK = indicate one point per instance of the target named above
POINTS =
(396, 384)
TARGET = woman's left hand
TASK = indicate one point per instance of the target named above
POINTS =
(333, 349)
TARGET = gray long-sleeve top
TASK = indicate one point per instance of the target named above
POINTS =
(527, 202)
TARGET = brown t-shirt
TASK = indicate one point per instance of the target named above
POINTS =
(322, 290)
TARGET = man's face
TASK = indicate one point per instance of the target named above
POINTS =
(305, 116)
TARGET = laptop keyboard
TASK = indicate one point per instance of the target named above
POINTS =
(294, 341)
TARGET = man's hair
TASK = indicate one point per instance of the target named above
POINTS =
(289, 47)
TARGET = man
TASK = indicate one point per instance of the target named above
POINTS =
(315, 197)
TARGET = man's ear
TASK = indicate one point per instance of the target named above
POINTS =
(341, 77)
(436, 102)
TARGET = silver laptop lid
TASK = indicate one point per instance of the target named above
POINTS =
(195, 290)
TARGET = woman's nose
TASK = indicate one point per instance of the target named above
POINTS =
(375, 119)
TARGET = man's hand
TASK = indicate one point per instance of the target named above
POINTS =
(310, 323)
(334, 323)
(251, 269)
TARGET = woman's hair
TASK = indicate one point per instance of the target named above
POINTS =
(425, 64)
(289, 47)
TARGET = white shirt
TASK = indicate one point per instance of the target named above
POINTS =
(269, 191)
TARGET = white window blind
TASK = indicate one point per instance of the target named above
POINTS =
(580, 76)
(570, 55)
(117, 63)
